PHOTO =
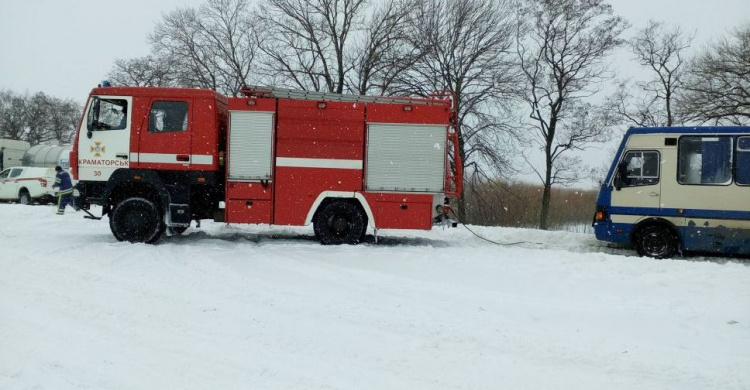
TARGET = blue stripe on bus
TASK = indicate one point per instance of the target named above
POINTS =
(686, 213)
(693, 238)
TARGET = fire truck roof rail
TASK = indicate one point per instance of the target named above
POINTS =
(261, 91)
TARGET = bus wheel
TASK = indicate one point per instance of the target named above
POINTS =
(136, 220)
(339, 222)
(655, 241)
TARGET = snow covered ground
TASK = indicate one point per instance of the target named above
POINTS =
(245, 307)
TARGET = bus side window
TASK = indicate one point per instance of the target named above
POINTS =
(638, 168)
(742, 177)
(705, 160)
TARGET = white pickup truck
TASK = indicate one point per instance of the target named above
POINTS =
(27, 185)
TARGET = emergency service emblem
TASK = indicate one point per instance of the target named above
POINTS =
(98, 148)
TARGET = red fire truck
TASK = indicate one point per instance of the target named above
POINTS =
(158, 158)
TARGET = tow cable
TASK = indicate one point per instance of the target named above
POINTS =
(491, 241)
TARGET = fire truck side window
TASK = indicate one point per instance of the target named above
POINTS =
(107, 114)
(166, 117)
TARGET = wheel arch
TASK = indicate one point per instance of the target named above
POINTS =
(21, 192)
(331, 195)
(126, 183)
(125, 232)
(655, 221)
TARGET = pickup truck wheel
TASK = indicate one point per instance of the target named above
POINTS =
(339, 222)
(136, 220)
(24, 198)
(655, 241)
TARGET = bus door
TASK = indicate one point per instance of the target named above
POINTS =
(637, 188)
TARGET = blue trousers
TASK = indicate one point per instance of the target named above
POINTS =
(64, 198)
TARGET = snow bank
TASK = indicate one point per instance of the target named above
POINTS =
(229, 307)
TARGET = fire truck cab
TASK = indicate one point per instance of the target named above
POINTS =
(158, 158)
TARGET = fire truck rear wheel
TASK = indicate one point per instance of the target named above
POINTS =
(136, 220)
(340, 222)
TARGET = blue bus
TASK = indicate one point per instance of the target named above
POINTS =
(674, 189)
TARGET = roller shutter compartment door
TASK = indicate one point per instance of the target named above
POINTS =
(406, 158)
(250, 145)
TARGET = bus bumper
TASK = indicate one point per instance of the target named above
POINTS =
(607, 230)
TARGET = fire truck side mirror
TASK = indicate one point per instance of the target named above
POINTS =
(92, 120)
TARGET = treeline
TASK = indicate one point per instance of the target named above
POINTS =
(38, 118)
(516, 204)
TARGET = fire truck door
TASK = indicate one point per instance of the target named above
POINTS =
(104, 137)
(250, 187)
(164, 139)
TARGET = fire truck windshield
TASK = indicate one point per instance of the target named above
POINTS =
(107, 114)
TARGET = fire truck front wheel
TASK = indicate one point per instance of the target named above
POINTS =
(136, 220)
(340, 222)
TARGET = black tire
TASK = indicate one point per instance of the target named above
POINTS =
(340, 222)
(137, 220)
(24, 198)
(657, 241)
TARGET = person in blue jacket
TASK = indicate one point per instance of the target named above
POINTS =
(65, 193)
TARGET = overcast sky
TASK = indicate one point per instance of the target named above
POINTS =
(65, 47)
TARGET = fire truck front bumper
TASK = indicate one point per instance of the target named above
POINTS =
(87, 193)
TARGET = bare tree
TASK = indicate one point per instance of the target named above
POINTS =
(635, 109)
(211, 47)
(563, 53)
(63, 118)
(37, 118)
(718, 84)
(12, 115)
(228, 29)
(305, 42)
(466, 46)
(379, 53)
(662, 52)
(148, 71)
(178, 37)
